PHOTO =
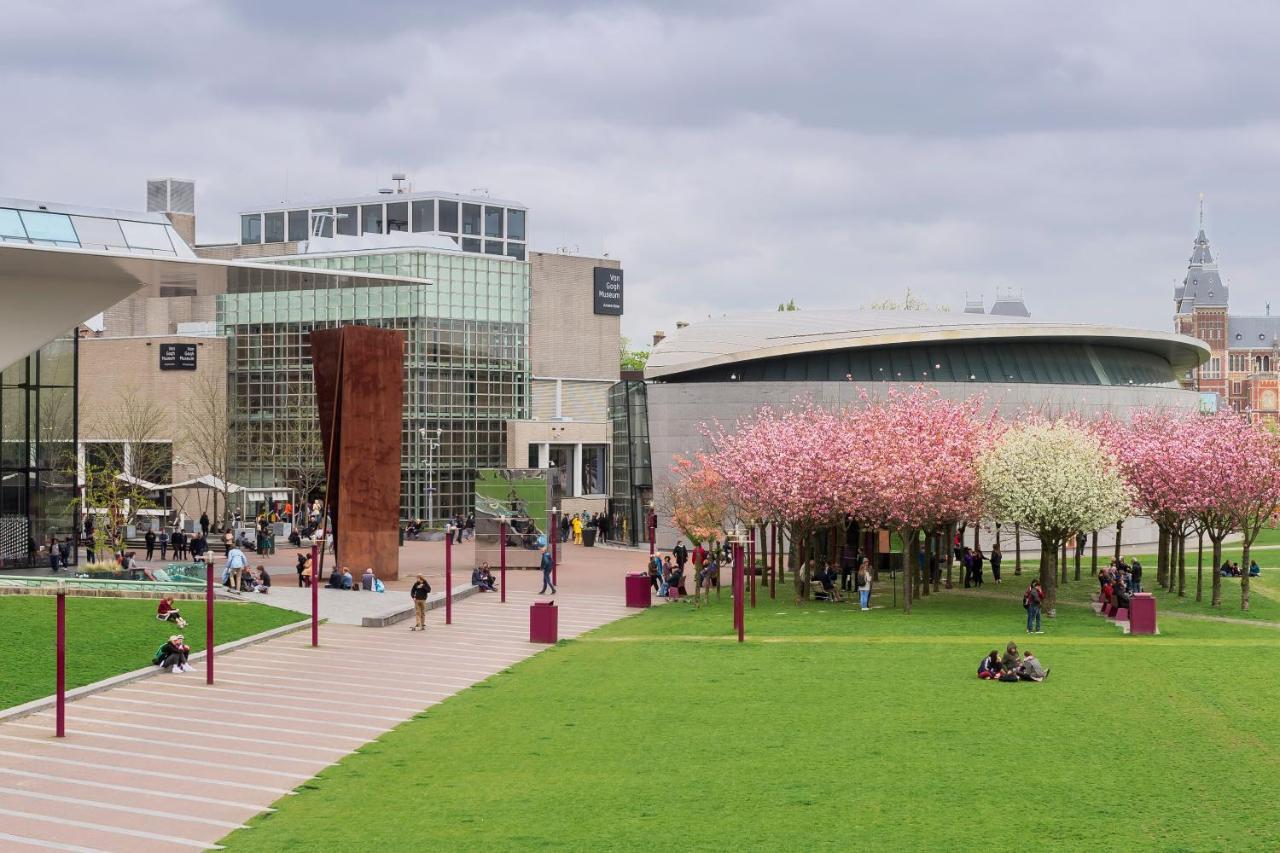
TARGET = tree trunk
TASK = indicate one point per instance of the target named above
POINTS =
(1244, 572)
(1162, 557)
(1182, 562)
(1094, 540)
(1049, 576)
(951, 551)
(1017, 549)
(976, 533)
(1079, 548)
(1215, 599)
(1064, 562)
(931, 557)
(908, 567)
(1119, 527)
(1200, 566)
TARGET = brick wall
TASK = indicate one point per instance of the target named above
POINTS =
(566, 339)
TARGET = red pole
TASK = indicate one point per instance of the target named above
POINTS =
(751, 561)
(208, 622)
(315, 595)
(554, 536)
(773, 564)
(738, 589)
(62, 662)
(448, 580)
(653, 533)
(502, 559)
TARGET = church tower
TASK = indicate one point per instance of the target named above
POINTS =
(1200, 310)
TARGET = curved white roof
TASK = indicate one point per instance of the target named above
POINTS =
(748, 337)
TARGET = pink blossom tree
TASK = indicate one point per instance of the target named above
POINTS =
(914, 464)
(697, 499)
(1236, 485)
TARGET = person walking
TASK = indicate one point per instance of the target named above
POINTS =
(204, 523)
(680, 554)
(547, 566)
(577, 530)
(236, 562)
(996, 557)
(150, 540)
(419, 592)
(1031, 600)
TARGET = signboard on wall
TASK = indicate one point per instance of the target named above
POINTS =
(177, 356)
(607, 288)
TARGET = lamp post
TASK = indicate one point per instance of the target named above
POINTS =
(432, 445)
(652, 523)
(736, 538)
(61, 662)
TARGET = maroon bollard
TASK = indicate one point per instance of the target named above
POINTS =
(544, 622)
(1142, 613)
(208, 622)
(315, 595)
(553, 536)
(738, 588)
(448, 580)
(61, 653)
(502, 559)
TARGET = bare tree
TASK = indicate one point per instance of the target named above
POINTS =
(300, 453)
(208, 437)
(131, 454)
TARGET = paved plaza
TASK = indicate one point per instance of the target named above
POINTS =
(169, 763)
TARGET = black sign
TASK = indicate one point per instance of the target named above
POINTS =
(608, 291)
(177, 356)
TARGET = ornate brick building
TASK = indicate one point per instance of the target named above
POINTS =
(1241, 370)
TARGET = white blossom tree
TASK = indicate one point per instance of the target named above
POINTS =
(1054, 479)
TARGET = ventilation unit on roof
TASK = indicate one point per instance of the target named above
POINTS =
(171, 195)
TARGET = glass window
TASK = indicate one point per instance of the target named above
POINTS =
(297, 225)
(493, 247)
(49, 227)
(96, 232)
(371, 219)
(470, 218)
(515, 225)
(397, 216)
(146, 235)
(348, 223)
(515, 250)
(325, 222)
(449, 216)
(424, 215)
(533, 455)
(11, 225)
(593, 462)
(470, 244)
(250, 228)
(273, 227)
(492, 221)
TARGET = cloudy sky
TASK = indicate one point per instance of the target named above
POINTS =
(732, 154)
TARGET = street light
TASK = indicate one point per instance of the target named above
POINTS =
(432, 444)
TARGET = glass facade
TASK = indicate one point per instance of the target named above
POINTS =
(466, 366)
(1046, 362)
(38, 430)
(631, 483)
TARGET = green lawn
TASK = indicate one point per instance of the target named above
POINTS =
(829, 728)
(105, 637)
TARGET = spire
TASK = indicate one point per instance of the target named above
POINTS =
(1201, 213)
(1203, 285)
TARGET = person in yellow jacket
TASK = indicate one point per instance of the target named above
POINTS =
(577, 530)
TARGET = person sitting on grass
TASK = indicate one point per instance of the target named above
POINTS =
(166, 612)
(989, 669)
(172, 656)
(1254, 571)
(1011, 659)
(1031, 670)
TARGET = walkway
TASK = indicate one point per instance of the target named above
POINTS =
(169, 763)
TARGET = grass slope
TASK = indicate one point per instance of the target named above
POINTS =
(829, 728)
(105, 637)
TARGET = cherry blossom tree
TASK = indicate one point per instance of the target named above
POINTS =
(914, 459)
(1054, 479)
(1236, 485)
(697, 499)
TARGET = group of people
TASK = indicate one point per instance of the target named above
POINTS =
(1120, 580)
(572, 525)
(972, 561)
(460, 529)
(341, 579)
(1232, 570)
(482, 577)
(1011, 666)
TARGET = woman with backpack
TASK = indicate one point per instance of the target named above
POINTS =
(864, 584)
